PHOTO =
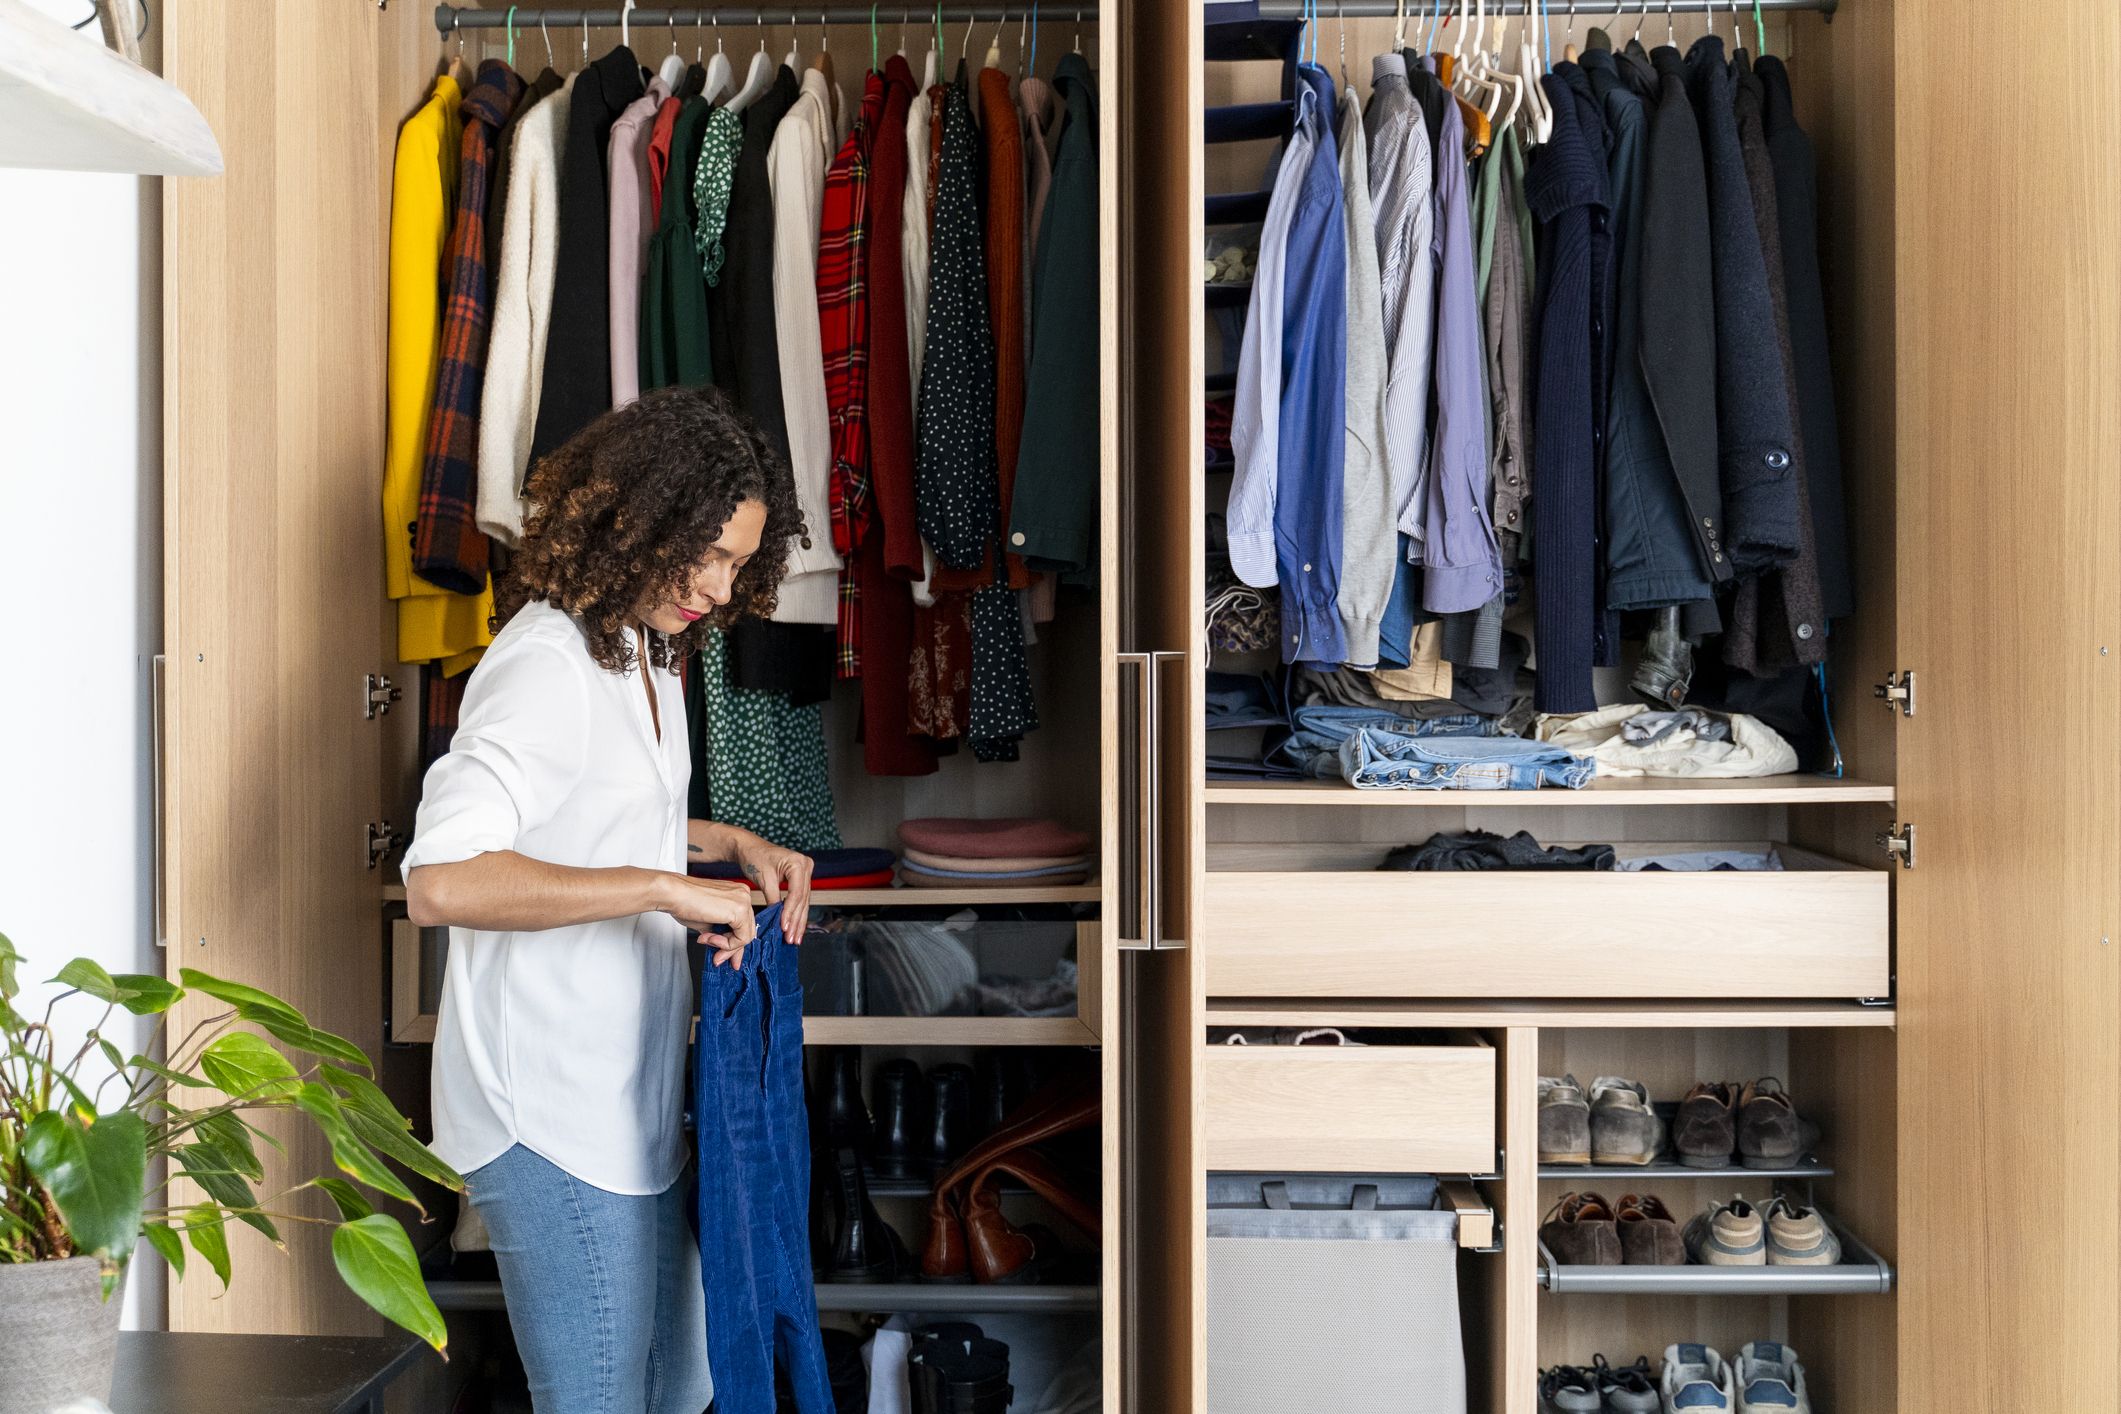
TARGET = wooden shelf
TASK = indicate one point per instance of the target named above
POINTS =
(953, 1298)
(939, 1297)
(1551, 1014)
(908, 898)
(946, 1031)
(1611, 790)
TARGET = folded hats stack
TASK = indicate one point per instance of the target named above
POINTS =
(997, 854)
(830, 869)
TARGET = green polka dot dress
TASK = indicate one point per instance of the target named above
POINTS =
(765, 760)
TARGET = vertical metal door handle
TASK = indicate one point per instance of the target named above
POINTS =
(1155, 804)
(160, 747)
(1137, 844)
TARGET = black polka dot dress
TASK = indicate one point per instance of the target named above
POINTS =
(957, 489)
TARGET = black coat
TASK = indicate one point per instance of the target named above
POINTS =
(1753, 418)
(1797, 210)
(747, 350)
(1677, 297)
(577, 380)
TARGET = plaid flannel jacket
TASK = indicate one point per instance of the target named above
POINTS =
(843, 323)
(448, 548)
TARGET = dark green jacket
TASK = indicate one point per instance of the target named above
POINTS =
(1053, 513)
(675, 351)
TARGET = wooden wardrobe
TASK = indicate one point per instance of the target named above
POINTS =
(1955, 1025)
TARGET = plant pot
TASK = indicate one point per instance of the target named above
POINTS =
(58, 1336)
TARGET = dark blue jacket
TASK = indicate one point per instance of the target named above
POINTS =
(1753, 419)
(1651, 559)
(1566, 193)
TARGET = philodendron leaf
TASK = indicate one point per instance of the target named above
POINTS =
(351, 1204)
(95, 1173)
(228, 1137)
(236, 994)
(174, 1077)
(394, 1143)
(138, 992)
(144, 994)
(358, 1092)
(8, 958)
(376, 1259)
(304, 1037)
(164, 1239)
(246, 1067)
(203, 1229)
(347, 1151)
(88, 976)
(205, 1166)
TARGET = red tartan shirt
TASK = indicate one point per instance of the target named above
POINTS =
(843, 319)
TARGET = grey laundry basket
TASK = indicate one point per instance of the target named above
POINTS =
(1333, 1292)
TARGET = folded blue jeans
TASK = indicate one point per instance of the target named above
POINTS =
(1373, 758)
(603, 1289)
(754, 1166)
(1321, 729)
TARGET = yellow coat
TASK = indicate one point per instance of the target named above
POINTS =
(432, 623)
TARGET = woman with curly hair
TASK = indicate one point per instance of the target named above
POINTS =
(552, 841)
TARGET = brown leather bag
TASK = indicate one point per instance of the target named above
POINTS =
(1057, 1109)
(999, 1250)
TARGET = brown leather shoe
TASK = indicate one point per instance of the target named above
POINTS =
(1649, 1234)
(1704, 1132)
(1580, 1232)
(1000, 1251)
(1056, 1109)
(1770, 1135)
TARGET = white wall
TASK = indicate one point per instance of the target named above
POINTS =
(80, 581)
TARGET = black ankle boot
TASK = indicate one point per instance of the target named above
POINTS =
(864, 1248)
(1004, 1081)
(841, 1120)
(949, 1130)
(960, 1375)
(900, 1118)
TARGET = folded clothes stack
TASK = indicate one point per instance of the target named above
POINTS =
(946, 853)
(830, 869)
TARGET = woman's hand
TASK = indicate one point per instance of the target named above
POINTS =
(778, 874)
(706, 904)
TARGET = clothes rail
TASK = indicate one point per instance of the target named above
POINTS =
(450, 18)
(1553, 9)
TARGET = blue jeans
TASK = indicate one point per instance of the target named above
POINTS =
(603, 1289)
(1322, 728)
(754, 1198)
(1397, 759)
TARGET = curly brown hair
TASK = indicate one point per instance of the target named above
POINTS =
(621, 514)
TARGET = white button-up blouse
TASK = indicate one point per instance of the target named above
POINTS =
(569, 1041)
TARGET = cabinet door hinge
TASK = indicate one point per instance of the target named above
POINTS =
(1898, 688)
(382, 840)
(377, 693)
(1898, 842)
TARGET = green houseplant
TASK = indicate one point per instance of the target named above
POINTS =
(76, 1164)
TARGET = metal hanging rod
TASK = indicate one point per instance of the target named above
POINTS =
(449, 18)
(1556, 10)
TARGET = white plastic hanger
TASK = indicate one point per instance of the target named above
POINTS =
(1537, 114)
(1509, 88)
(673, 71)
(794, 61)
(719, 72)
(758, 78)
(1399, 27)
(994, 46)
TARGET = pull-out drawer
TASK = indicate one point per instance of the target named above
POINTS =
(1374, 1108)
(1339, 928)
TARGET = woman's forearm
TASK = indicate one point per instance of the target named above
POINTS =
(713, 843)
(505, 892)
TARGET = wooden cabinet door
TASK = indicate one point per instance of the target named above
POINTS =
(1149, 78)
(273, 300)
(2009, 925)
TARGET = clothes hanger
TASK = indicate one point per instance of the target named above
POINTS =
(625, 23)
(1759, 27)
(931, 67)
(508, 27)
(758, 78)
(824, 56)
(719, 72)
(1078, 29)
(546, 35)
(1027, 44)
(1538, 113)
(1509, 85)
(794, 61)
(673, 71)
(994, 46)
(1568, 37)
(585, 41)
(1479, 76)
(1671, 29)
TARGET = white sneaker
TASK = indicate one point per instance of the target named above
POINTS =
(1696, 1381)
(1770, 1380)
